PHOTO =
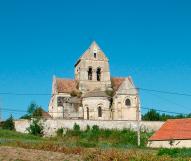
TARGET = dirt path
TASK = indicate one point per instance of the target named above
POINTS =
(20, 154)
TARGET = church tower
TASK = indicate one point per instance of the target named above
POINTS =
(92, 70)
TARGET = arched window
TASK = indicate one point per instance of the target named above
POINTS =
(99, 112)
(90, 73)
(87, 113)
(128, 102)
(98, 72)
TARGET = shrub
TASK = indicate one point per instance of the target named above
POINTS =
(60, 132)
(76, 129)
(35, 128)
(88, 128)
(9, 124)
(95, 128)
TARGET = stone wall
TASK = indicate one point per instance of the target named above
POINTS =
(51, 126)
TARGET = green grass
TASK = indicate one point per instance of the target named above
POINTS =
(7, 134)
(175, 152)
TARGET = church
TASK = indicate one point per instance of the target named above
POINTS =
(94, 94)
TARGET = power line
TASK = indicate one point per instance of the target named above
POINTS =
(166, 92)
(142, 89)
(177, 113)
(142, 107)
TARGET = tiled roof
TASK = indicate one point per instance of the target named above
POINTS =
(174, 129)
(65, 85)
(46, 115)
(116, 82)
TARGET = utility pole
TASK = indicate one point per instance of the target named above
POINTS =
(138, 121)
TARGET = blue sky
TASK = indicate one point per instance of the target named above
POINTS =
(149, 40)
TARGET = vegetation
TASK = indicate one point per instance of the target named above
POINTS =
(34, 111)
(60, 132)
(96, 137)
(35, 128)
(65, 144)
(7, 134)
(153, 115)
(175, 152)
(9, 124)
(76, 93)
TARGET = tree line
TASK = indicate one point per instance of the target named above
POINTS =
(153, 115)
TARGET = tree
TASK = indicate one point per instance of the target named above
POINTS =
(31, 108)
(34, 111)
(9, 124)
(35, 128)
(151, 115)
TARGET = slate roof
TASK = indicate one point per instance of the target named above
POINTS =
(65, 85)
(173, 129)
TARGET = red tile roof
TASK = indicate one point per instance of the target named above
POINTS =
(65, 85)
(46, 115)
(116, 82)
(174, 129)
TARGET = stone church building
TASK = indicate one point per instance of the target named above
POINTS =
(94, 94)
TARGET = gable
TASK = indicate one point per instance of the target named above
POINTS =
(127, 87)
(94, 52)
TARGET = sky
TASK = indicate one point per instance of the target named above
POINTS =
(148, 40)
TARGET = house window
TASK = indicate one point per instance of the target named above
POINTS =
(95, 55)
(98, 72)
(90, 73)
(60, 101)
(128, 102)
(99, 112)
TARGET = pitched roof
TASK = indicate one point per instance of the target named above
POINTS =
(65, 85)
(174, 129)
(116, 82)
(46, 115)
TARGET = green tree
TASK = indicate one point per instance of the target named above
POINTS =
(33, 111)
(35, 128)
(152, 115)
(9, 124)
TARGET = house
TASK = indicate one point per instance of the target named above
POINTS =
(94, 94)
(174, 133)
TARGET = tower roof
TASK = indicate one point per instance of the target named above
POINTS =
(94, 52)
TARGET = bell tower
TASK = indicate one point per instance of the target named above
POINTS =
(92, 69)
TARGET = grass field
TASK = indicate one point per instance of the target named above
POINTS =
(94, 145)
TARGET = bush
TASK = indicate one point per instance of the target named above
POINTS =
(35, 128)
(60, 132)
(88, 128)
(76, 129)
(9, 124)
